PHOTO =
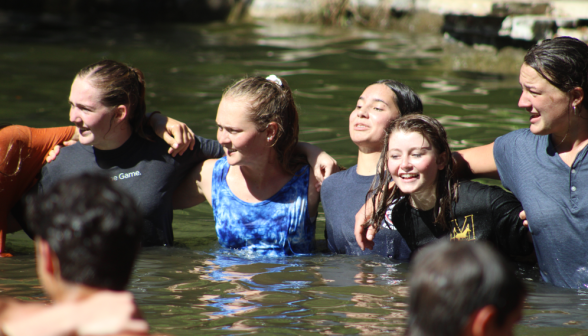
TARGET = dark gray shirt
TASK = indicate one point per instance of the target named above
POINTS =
(141, 167)
(342, 195)
(555, 199)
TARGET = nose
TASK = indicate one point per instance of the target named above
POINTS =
(221, 136)
(405, 164)
(74, 116)
(524, 101)
(361, 112)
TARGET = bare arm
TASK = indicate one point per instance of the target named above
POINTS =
(195, 187)
(476, 162)
(321, 162)
(177, 134)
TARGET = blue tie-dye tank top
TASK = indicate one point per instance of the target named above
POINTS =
(277, 226)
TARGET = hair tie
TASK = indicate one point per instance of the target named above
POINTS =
(275, 79)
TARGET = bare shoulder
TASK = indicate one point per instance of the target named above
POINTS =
(11, 309)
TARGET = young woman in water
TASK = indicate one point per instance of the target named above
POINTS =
(546, 165)
(344, 193)
(426, 202)
(23, 151)
(262, 192)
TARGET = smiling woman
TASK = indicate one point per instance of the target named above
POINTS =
(108, 108)
(426, 202)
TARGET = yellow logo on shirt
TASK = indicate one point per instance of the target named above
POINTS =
(465, 231)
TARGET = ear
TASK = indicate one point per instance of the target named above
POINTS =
(482, 321)
(442, 161)
(47, 260)
(577, 96)
(271, 131)
(120, 112)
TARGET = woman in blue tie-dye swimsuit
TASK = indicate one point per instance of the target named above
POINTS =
(262, 192)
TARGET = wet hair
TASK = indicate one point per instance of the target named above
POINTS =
(451, 280)
(93, 228)
(119, 84)
(563, 62)
(446, 190)
(271, 102)
(406, 99)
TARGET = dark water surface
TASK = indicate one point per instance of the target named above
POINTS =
(199, 288)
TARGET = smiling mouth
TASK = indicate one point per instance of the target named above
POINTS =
(83, 129)
(361, 126)
(230, 151)
(408, 176)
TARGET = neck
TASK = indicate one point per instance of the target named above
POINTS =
(72, 292)
(118, 135)
(576, 136)
(367, 161)
(262, 171)
(424, 200)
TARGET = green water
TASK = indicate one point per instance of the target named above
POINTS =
(196, 287)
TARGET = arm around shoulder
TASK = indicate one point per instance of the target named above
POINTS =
(476, 162)
(195, 187)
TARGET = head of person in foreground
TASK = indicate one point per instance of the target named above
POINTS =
(463, 288)
(87, 235)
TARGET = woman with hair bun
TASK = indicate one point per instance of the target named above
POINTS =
(24, 150)
(107, 102)
(262, 192)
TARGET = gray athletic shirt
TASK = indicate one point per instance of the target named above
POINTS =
(555, 199)
(141, 167)
(342, 195)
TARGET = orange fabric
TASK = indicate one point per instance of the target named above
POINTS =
(22, 154)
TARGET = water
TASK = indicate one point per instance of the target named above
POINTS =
(197, 287)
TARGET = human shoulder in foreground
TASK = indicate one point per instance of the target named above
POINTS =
(463, 288)
(87, 236)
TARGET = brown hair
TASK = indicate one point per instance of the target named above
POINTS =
(272, 102)
(446, 190)
(563, 62)
(119, 84)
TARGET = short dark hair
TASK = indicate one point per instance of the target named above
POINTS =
(407, 100)
(453, 279)
(563, 62)
(93, 227)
